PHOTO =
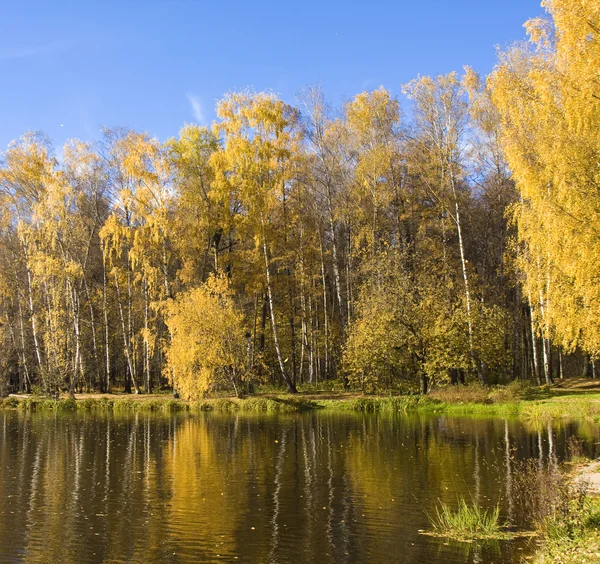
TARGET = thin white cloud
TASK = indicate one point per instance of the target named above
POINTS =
(367, 83)
(30, 51)
(197, 109)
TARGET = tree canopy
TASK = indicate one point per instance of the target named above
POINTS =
(301, 244)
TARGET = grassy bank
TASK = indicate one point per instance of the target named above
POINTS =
(579, 547)
(571, 534)
(578, 400)
(269, 404)
(124, 403)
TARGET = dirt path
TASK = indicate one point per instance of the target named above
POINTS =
(590, 475)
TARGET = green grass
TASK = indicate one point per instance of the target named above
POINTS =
(563, 407)
(125, 404)
(468, 522)
(280, 404)
(572, 536)
(34, 403)
(390, 404)
(527, 402)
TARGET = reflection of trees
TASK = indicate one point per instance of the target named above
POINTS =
(77, 489)
(317, 487)
(210, 465)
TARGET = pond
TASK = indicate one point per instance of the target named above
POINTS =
(312, 487)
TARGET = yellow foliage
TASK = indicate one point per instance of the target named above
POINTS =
(549, 102)
(372, 119)
(199, 213)
(407, 327)
(208, 346)
(260, 147)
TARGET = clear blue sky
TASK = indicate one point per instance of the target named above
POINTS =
(68, 68)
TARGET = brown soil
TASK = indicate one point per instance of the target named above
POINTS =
(578, 384)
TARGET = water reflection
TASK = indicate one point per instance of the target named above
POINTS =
(308, 488)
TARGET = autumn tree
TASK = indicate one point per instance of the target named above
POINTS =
(453, 243)
(199, 214)
(208, 349)
(546, 93)
(254, 170)
(406, 331)
(372, 119)
(440, 122)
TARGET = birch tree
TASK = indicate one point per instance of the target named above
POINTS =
(255, 167)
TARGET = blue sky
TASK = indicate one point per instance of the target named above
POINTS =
(69, 68)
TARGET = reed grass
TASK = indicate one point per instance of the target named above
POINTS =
(468, 522)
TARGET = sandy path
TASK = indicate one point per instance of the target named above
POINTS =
(590, 475)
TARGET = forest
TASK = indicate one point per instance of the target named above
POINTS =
(389, 244)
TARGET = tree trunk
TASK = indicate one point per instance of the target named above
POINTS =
(463, 262)
(336, 275)
(126, 347)
(36, 345)
(545, 333)
(533, 343)
(27, 382)
(516, 327)
(585, 373)
(325, 317)
(75, 317)
(289, 383)
(146, 345)
(423, 384)
(106, 328)
(263, 324)
(94, 338)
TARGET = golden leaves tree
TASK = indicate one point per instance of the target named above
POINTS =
(254, 170)
(548, 98)
(208, 349)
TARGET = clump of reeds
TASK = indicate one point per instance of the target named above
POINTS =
(468, 522)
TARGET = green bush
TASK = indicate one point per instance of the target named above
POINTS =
(10, 403)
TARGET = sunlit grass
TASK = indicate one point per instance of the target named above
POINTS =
(515, 400)
(571, 536)
(468, 522)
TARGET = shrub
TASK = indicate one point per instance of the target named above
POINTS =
(10, 403)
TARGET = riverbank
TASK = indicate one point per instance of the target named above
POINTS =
(567, 526)
(579, 399)
(572, 535)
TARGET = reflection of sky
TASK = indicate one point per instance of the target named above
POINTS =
(68, 68)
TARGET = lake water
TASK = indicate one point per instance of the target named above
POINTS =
(316, 487)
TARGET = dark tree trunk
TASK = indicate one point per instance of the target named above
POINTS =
(424, 384)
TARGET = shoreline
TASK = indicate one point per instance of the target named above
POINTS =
(566, 406)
